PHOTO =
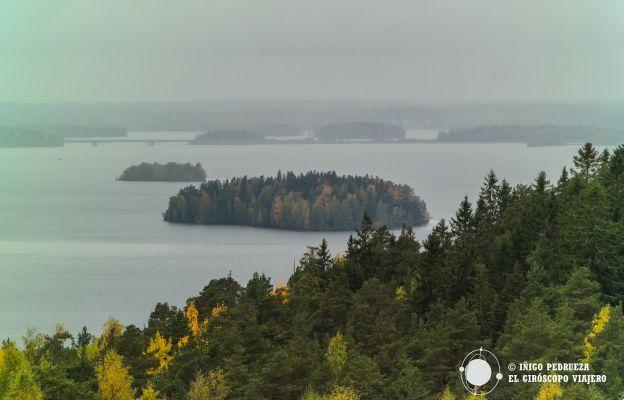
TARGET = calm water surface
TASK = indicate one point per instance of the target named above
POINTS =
(77, 246)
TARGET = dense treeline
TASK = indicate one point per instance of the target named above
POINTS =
(534, 273)
(311, 201)
(172, 171)
(542, 135)
(372, 130)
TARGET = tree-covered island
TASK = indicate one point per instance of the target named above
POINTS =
(170, 172)
(310, 201)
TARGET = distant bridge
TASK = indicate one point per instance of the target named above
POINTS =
(151, 142)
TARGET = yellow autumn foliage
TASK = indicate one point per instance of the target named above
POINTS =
(339, 260)
(17, 381)
(149, 393)
(209, 387)
(182, 342)
(159, 349)
(549, 391)
(336, 354)
(599, 323)
(112, 329)
(447, 395)
(343, 393)
(192, 318)
(114, 381)
(401, 293)
(218, 309)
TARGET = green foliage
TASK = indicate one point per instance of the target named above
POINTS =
(337, 355)
(337, 393)
(16, 378)
(607, 349)
(208, 387)
(311, 201)
(587, 160)
(443, 340)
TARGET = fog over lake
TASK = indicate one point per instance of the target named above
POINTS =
(77, 246)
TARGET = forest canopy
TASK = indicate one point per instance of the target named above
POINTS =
(310, 201)
(534, 272)
(170, 172)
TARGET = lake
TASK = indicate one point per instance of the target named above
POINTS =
(77, 246)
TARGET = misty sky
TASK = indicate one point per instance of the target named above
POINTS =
(412, 50)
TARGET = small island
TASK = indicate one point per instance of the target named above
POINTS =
(170, 172)
(310, 201)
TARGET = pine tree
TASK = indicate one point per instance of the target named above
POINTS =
(563, 179)
(463, 254)
(433, 273)
(485, 302)
(586, 161)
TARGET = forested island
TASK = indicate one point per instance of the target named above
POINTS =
(377, 131)
(311, 201)
(170, 172)
(542, 135)
(533, 272)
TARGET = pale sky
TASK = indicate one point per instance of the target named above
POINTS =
(405, 50)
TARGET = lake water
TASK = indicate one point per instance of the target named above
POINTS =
(77, 246)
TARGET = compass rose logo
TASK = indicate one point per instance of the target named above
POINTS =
(476, 372)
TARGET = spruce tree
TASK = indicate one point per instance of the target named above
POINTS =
(587, 160)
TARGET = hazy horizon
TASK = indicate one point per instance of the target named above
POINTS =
(418, 52)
